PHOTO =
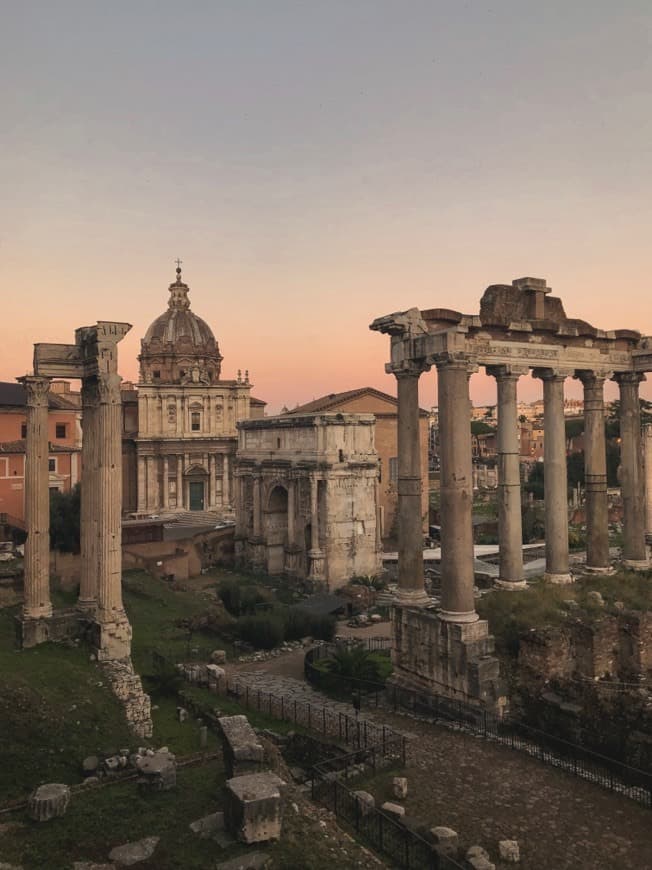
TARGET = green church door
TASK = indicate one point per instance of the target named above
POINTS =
(196, 493)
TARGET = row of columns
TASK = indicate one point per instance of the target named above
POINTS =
(457, 569)
(101, 499)
(154, 496)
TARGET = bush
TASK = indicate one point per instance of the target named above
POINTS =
(262, 630)
(239, 599)
(301, 623)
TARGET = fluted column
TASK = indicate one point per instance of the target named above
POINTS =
(226, 488)
(37, 602)
(166, 483)
(142, 484)
(89, 495)
(631, 461)
(411, 585)
(510, 532)
(152, 483)
(179, 481)
(457, 574)
(555, 476)
(647, 442)
(595, 473)
(109, 478)
(314, 513)
(212, 475)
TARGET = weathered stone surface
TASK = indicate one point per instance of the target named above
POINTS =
(477, 858)
(366, 802)
(182, 714)
(252, 861)
(208, 825)
(595, 597)
(158, 771)
(509, 852)
(446, 840)
(90, 765)
(243, 752)
(400, 787)
(128, 689)
(396, 811)
(218, 656)
(253, 807)
(89, 865)
(48, 801)
(134, 853)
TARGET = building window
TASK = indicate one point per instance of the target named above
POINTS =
(60, 430)
(393, 469)
(156, 374)
(195, 421)
(23, 430)
(52, 464)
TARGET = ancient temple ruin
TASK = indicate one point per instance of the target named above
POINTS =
(519, 328)
(100, 613)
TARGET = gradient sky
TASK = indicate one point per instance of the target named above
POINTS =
(316, 164)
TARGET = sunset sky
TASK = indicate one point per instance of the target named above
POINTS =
(316, 164)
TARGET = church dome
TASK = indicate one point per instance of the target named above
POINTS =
(179, 347)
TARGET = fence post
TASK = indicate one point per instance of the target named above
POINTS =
(384, 749)
(358, 734)
(323, 717)
(282, 706)
(308, 715)
(484, 723)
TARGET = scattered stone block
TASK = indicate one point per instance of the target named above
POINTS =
(90, 765)
(395, 811)
(509, 851)
(446, 840)
(366, 802)
(112, 764)
(87, 865)
(158, 771)
(400, 787)
(208, 826)
(253, 807)
(91, 780)
(218, 656)
(203, 736)
(215, 675)
(48, 801)
(134, 853)
(182, 714)
(477, 858)
(243, 752)
(595, 598)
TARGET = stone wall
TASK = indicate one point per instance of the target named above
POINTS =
(128, 688)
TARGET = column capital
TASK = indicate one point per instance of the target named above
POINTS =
(408, 368)
(506, 372)
(457, 362)
(628, 378)
(592, 377)
(552, 374)
(37, 389)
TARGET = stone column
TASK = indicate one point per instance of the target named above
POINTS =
(166, 483)
(411, 587)
(457, 574)
(89, 495)
(152, 483)
(647, 441)
(212, 474)
(595, 473)
(291, 513)
(179, 481)
(37, 602)
(109, 479)
(510, 532)
(142, 484)
(315, 554)
(257, 508)
(631, 461)
(556, 478)
(226, 489)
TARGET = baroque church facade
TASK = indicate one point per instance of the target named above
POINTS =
(187, 414)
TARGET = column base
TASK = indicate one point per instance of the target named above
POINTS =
(87, 606)
(599, 569)
(434, 657)
(43, 612)
(637, 564)
(111, 636)
(317, 564)
(510, 585)
(558, 579)
(413, 598)
(458, 617)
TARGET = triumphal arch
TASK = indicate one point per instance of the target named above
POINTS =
(100, 613)
(520, 328)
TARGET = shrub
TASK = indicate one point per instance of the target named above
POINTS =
(239, 599)
(262, 630)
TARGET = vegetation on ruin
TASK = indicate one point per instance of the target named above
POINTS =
(511, 614)
(65, 513)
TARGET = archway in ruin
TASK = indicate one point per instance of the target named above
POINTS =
(276, 529)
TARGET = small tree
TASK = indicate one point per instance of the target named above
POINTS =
(65, 511)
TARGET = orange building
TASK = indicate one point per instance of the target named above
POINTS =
(64, 423)
(384, 407)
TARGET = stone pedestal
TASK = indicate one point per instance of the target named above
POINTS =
(293, 557)
(253, 810)
(243, 752)
(256, 550)
(434, 655)
(316, 565)
(48, 802)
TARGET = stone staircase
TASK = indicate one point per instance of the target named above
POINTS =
(195, 518)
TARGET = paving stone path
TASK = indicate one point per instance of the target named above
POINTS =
(488, 792)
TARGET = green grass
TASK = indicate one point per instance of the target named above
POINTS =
(230, 707)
